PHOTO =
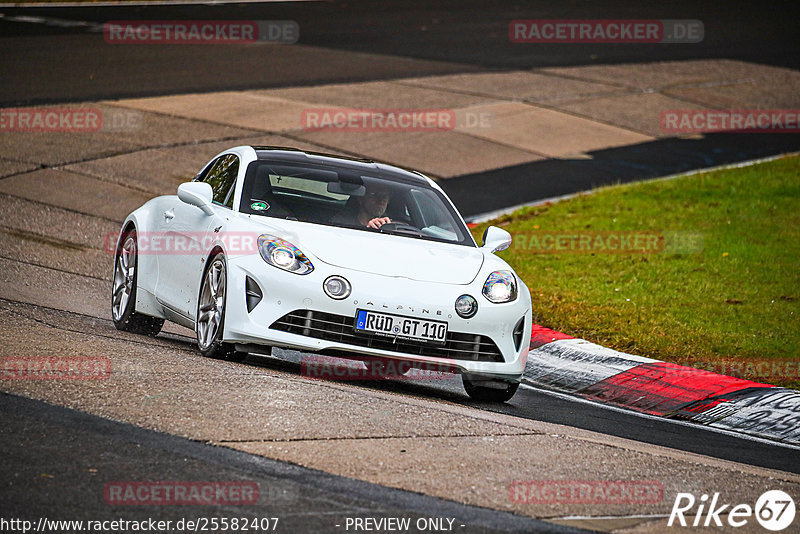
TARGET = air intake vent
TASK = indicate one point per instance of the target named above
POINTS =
(253, 293)
(339, 328)
(518, 332)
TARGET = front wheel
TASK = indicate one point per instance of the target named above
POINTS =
(211, 313)
(489, 390)
(123, 291)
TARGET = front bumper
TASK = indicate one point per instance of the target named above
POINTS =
(294, 312)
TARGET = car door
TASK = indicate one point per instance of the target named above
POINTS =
(187, 232)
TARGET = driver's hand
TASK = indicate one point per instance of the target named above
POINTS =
(377, 222)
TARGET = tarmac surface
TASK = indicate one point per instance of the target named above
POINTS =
(517, 136)
(340, 449)
(358, 40)
(300, 499)
(425, 438)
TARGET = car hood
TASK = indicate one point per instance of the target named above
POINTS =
(387, 255)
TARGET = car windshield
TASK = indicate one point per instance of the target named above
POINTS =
(348, 198)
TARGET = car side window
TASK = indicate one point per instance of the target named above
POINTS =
(221, 176)
(431, 212)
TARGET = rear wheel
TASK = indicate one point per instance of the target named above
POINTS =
(210, 322)
(489, 390)
(123, 291)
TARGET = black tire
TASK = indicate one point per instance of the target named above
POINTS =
(123, 290)
(213, 287)
(474, 388)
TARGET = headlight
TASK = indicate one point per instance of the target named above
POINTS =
(501, 286)
(283, 255)
(336, 287)
(466, 306)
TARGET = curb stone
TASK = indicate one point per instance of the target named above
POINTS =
(561, 362)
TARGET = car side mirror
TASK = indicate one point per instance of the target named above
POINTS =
(197, 194)
(496, 239)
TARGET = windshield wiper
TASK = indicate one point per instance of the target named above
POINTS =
(397, 228)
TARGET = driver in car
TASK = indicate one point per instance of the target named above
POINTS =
(370, 209)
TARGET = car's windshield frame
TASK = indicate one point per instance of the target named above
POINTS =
(339, 180)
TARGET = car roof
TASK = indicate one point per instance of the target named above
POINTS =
(382, 170)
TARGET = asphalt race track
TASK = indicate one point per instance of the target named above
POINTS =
(323, 452)
(51, 63)
(316, 500)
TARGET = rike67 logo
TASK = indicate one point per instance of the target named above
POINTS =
(774, 510)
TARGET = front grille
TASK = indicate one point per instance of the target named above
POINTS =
(340, 328)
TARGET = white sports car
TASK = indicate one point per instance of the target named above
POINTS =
(276, 247)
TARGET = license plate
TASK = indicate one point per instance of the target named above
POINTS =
(397, 326)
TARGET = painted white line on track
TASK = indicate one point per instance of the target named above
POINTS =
(489, 215)
(145, 3)
(590, 517)
(51, 21)
(658, 418)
